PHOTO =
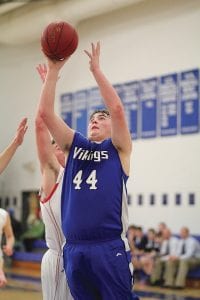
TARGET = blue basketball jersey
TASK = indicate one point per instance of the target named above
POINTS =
(93, 203)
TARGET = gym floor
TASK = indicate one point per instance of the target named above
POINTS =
(25, 284)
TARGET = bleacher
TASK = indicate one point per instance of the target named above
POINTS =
(193, 278)
(30, 259)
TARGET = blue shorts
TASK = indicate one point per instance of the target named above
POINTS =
(98, 271)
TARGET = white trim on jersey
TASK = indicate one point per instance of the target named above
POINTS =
(124, 217)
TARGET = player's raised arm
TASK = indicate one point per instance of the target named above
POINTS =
(58, 41)
(46, 153)
(48, 162)
(8, 153)
(60, 131)
(120, 133)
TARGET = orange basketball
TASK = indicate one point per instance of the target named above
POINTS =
(59, 40)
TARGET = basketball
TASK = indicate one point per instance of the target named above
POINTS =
(59, 40)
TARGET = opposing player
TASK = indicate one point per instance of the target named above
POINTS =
(52, 162)
(5, 223)
(94, 198)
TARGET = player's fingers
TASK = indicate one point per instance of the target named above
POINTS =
(88, 53)
(25, 129)
(93, 49)
(98, 48)
(21, 124)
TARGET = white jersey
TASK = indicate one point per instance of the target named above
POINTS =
(54, 282)
(3, 217)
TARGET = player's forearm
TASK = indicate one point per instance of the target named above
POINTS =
(10, 241)
(7, 155)
(47, 98)
(43, 142)
(109, 94)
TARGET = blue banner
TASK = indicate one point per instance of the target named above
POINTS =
(130, 98)
(164, 106)
(189, 98)
(119, 89)
(168, 96)
(148, 108)
(67, 108)
(95, 101)
(80, 111)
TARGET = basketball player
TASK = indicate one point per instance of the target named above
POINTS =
(52, 162)
(94, 204)
(5, 223)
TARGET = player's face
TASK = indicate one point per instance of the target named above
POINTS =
(59, 154)
(99, 127)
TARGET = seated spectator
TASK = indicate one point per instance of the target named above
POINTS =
(131, 234)
(187, 257)
(152, 244)
(140, 242)
(168, 249)
(144, 262)
(151, 251)
(161, 228)
(34, 231)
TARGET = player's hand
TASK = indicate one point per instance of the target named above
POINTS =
(3, 280)
(7, 250)
(42, 70)
(56, 64)
(94, 56)
(21, 130)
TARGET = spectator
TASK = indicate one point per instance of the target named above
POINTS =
(144, 262)
(151, 250)
(187, 258)
(131, 235)
(140, 242)
(34, 231)
(168, 249)
(161, 227)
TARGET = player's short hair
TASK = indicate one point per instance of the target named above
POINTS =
(103, 111)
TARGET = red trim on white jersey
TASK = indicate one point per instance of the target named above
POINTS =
(46, 199)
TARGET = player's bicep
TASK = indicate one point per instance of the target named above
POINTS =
(43, 141)
(49, 178)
